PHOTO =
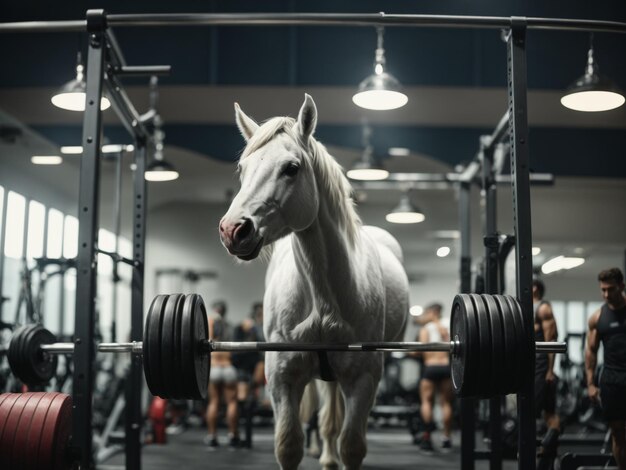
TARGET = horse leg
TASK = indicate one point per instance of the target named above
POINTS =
(330, 418)
(359, 399)
(288, 434)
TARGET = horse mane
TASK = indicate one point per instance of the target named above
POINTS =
(329, 174)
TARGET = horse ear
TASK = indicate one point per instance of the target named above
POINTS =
(307, 118)
(246, 125)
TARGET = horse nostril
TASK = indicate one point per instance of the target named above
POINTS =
(244, 229)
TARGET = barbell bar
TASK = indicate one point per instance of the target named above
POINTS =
(136, 347)
(176, 345)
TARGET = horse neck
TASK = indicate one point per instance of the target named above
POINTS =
(325, 257)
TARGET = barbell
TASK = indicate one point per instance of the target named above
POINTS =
(489, 347)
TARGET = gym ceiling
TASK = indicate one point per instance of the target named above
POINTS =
(455, 79)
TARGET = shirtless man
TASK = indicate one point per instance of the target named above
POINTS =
(435, 377)
(545, 380)
(607, 325)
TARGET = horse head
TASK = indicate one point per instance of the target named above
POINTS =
(278, 192)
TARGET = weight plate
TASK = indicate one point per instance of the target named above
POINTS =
(509, 353)
(42, 366)
(520, 336)
(187, 325)
(152, 346)
(528, 348)
(28, 355)
(6, 406)
(10, 427)
(498, 365)
(55, 433)
(63, 431)
(201, 360)
(178, 359)
(36, 428)
(168, 372)
(20, 448)
(465, 330)
(14, 351)
(484, 344)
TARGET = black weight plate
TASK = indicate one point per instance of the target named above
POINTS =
(187, 346)
(464, 366)
(498, 366)
(528, 351)
(14, 353)
(201, 359)
(42, 366)
(167, 347)
(520, 336)
(510, 346)
(26, 350)
(178, 359)
(458, 332)
(152, 346)
(484, 335)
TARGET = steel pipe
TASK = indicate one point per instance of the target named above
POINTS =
(319, 19)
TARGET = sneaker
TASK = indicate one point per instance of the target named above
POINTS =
(446, 444)
(417, 439)
(426, 445)
(234, 443)
(211, 443)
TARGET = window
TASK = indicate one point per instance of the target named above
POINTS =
(55, 234)
(14, 241)
(36, 229)
(70, 239)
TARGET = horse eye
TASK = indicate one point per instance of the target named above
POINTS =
(291, 169)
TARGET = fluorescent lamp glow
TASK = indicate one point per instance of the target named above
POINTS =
(416, 310)
(399, 151)
(72, 149)
(46, 160)
(560, 263)
(592, 101)
(367, 174)
(536, 250)
(443, 251)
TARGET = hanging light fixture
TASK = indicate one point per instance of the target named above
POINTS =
(592, 92)
(380, 91)
(159, 169)
(367, 168)
(405, 213)
(72, 95)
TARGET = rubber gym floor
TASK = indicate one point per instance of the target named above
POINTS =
(388, 449)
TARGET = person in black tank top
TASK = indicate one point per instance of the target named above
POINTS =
(607, 326)
(545, 380)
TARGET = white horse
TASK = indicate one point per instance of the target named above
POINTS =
(329, 280)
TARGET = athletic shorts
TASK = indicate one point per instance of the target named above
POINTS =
(545, 394)
(613, 394)
(223, 375)
(436, 373)
(244, 375)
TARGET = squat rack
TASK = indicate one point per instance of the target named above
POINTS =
(106, 62)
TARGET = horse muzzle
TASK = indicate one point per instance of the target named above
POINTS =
(241, 239)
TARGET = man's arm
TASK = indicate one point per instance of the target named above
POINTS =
(591, 354)
(548, 325)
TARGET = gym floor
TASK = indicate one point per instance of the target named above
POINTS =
(388, 449)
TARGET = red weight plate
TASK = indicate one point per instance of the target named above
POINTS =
(20, 451)
(36, 428)
(55, 434)
(63, 432)
(10, 426)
